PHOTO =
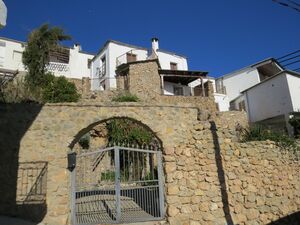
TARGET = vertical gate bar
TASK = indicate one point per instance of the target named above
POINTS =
(160, 184)
(73, 197)
(117, 184)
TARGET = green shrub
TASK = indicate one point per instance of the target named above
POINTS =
(127, 131)
(295, 123)
(59, 89)
(260, 133)
(84, 141)
(126, 97)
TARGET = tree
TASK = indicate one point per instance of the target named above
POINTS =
(43, 85)
(40, 43)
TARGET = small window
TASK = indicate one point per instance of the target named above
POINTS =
(178, 90)
(17, 56)
(130, 57)
(89, 62)
(173, 66)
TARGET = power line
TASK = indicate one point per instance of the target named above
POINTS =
(288, 59)
(296, 7)
(293, 2)
(291, 63)
(289, 54)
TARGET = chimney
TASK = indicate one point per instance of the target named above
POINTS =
(155, 45)
(77, 47)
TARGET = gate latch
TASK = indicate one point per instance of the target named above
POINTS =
(71, 161)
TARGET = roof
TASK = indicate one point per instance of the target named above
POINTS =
(255, 65)
(132, 46)
(293, 73)
(181, 76)
(24, 43)
(118, 43)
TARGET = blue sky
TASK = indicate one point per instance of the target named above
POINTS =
(217, 36)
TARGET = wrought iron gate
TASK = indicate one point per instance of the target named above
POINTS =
(117, 185)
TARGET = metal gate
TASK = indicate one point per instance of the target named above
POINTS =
(117, 185)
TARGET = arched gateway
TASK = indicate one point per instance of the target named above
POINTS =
(116, 182)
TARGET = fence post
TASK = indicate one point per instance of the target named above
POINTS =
(161, 184)
(73, 197)
(117, 184)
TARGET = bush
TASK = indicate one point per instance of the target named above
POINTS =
(126, 97)
(59, 89)
(295, 123)
(260, 133)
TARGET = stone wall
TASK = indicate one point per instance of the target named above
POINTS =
(143, 80)
(83, 85)
(33, 133)
(214, 179)
(210, 178)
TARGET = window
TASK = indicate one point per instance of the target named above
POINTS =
(173, 66)
(17, 56)
(178, 90)
(89, 62)
(130, 57)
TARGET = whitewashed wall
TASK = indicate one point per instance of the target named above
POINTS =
(239, 81)
(165, 59)
(294, 87)
(169, 88)
(11, 58)
(79, 64)
(11, 55)
(269, 99)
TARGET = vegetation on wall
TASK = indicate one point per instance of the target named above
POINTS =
(260, 133)
(126, 131)
(126, 97)
(44, 86)
(295, 123)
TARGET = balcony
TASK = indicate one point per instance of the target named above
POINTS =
(130, 56)
(60, 69)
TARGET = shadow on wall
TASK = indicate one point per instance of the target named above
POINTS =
(221, 174)
(292, 219)
(23, 185)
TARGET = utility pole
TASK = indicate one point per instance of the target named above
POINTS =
(3, 14)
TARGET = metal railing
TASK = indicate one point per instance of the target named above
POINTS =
(122, 59)
(32, 182)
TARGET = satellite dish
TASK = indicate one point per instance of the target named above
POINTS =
(3, 14)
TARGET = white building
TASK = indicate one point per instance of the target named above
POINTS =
(234, 83)
(175, 77)
(69, 62)
(272, 101)
(115, 53)
(3, 14)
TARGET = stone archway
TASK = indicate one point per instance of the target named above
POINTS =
(55, 128)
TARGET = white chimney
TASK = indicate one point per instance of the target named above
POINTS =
(77, 47)
(3, 14)
(155, 45)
